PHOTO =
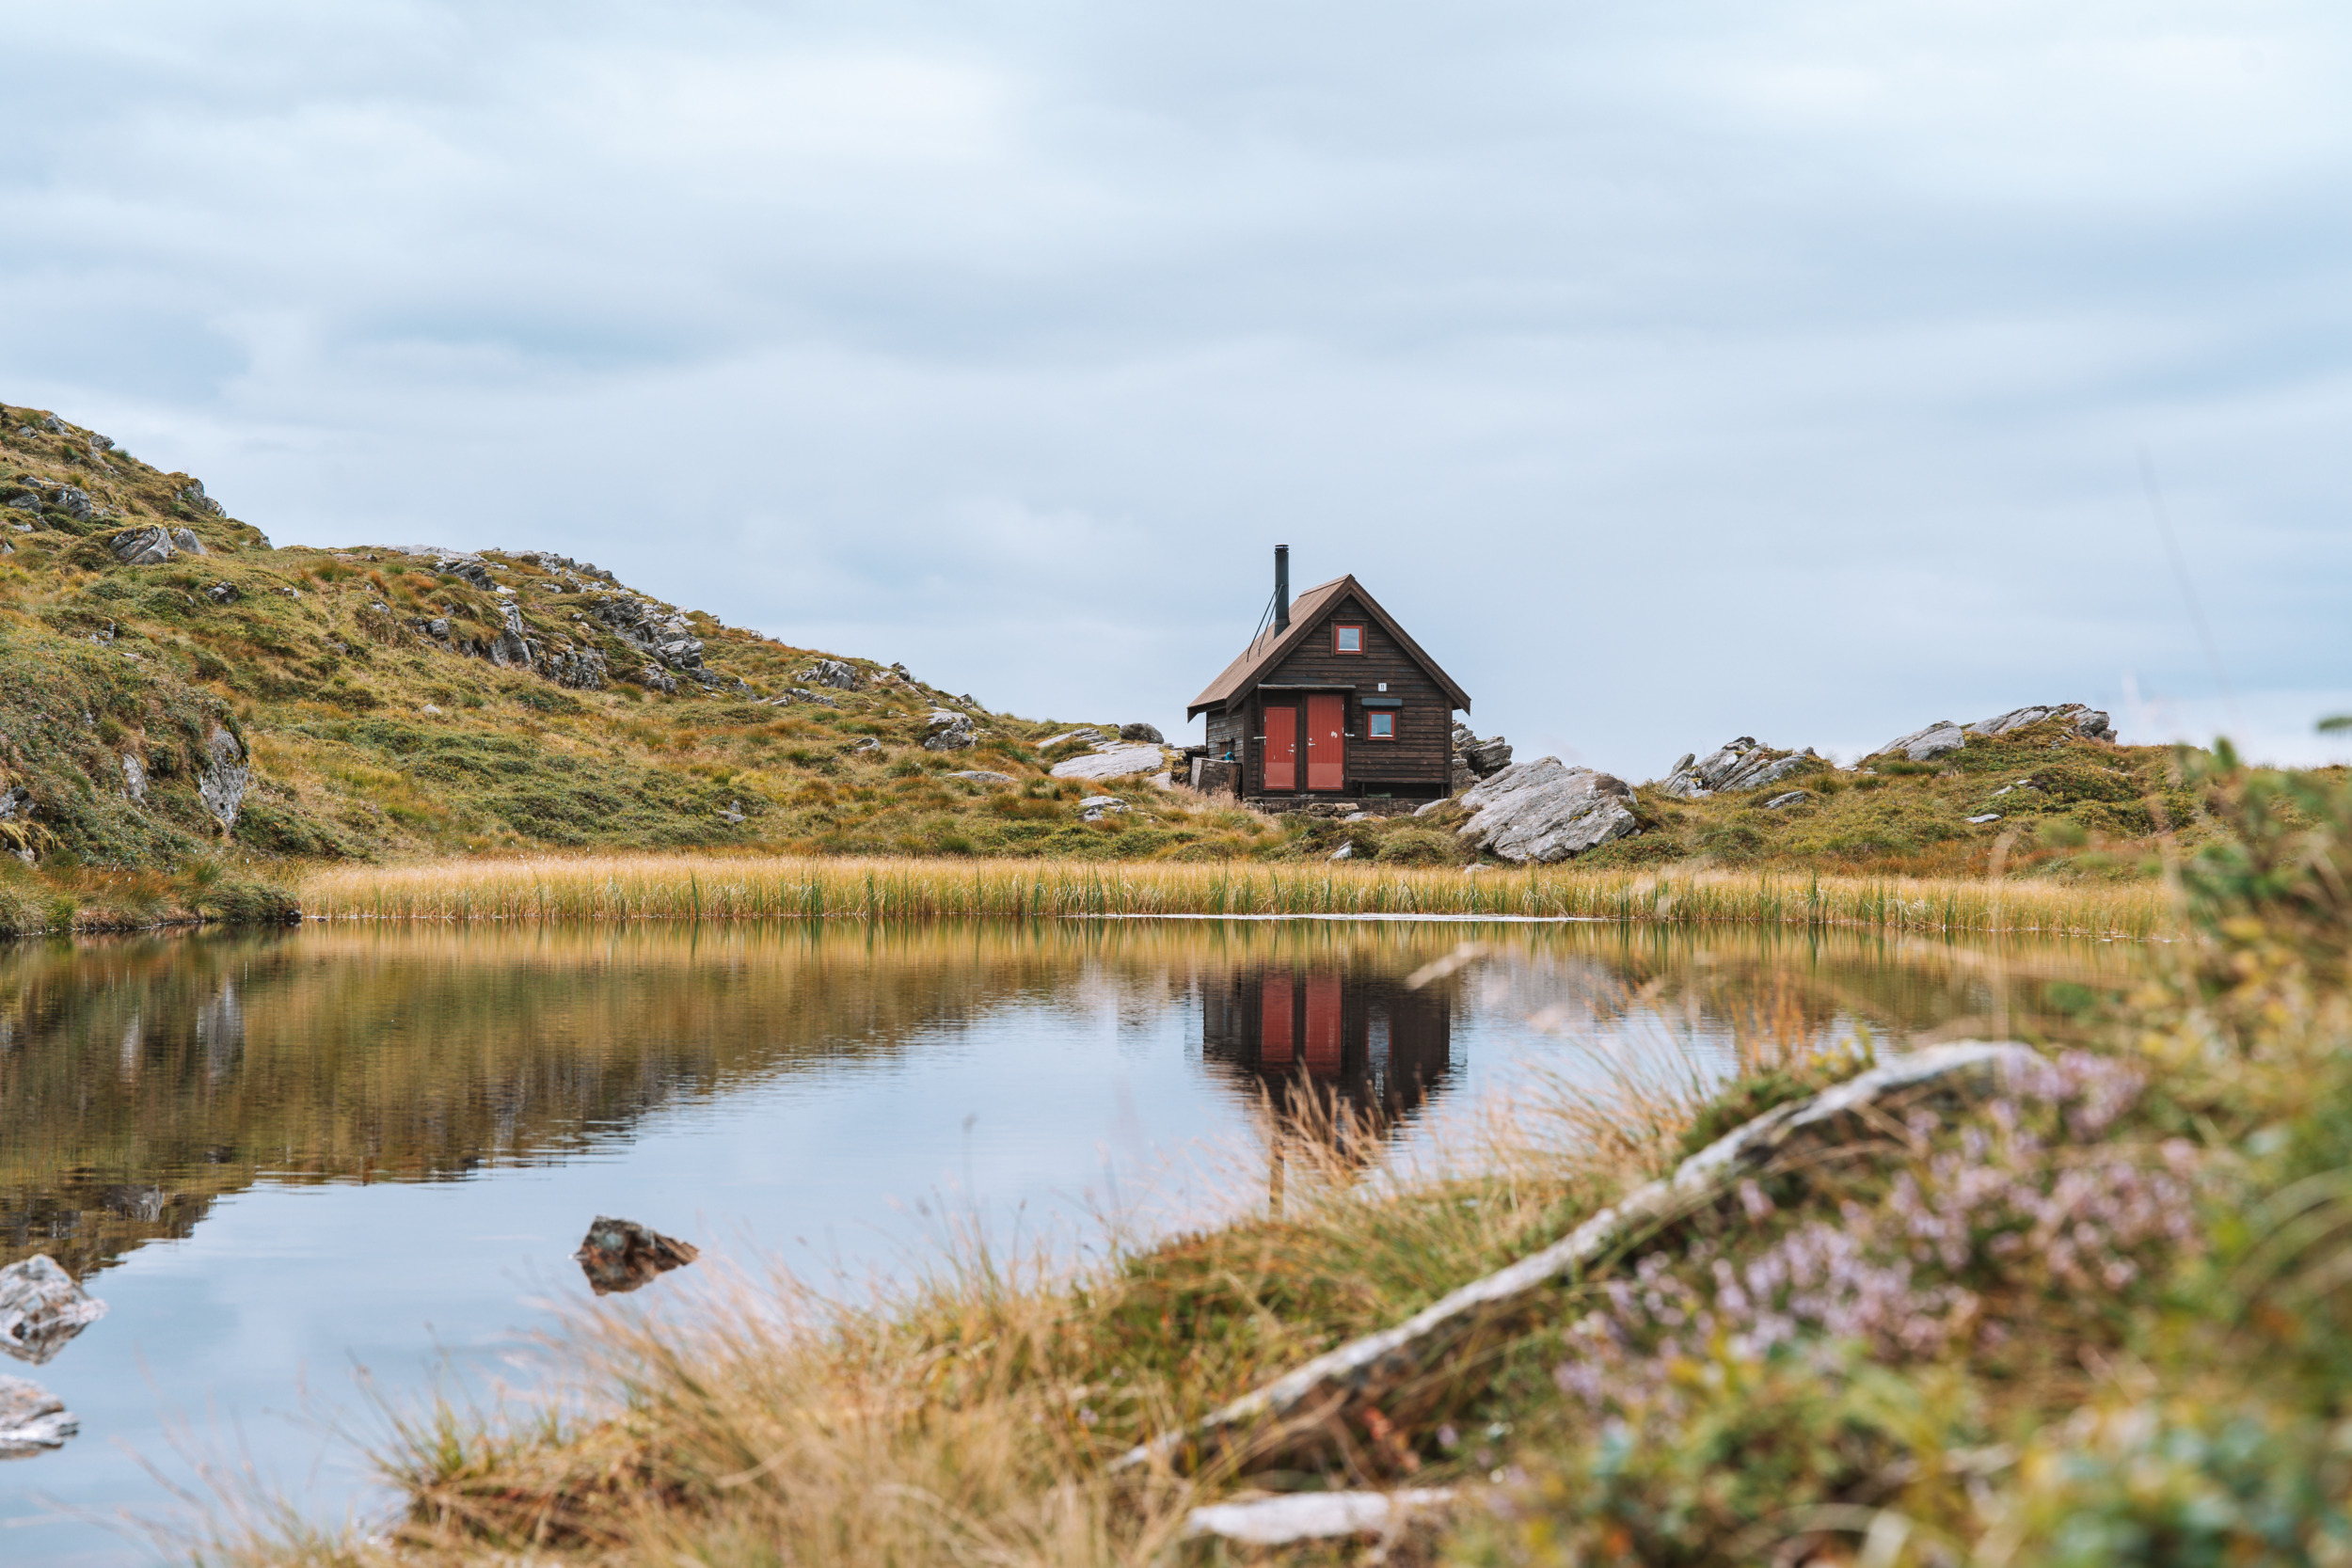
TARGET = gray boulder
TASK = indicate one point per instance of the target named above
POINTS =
(1795, 797)
(53, 424)
(142, 547)
(192, 494)
(1142, 732)
(187, 543)
(32, 1420)
(41, 1309)
(659, 679)
(949, 731)
(23, 498)
(72, 502)
(227, 774)
(977, 775)
(222, 592)
(133, 779)
(1546, 811)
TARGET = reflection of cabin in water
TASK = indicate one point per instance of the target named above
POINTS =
(1333, 699)
(1385, 1048)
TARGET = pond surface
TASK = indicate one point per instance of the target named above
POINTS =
(281, 1159)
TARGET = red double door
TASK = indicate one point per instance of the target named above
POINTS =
(1325, 743)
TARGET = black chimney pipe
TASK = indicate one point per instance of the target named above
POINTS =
(1282, 589)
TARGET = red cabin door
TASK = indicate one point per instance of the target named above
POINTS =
(1323, 1025)
(1327, 742)
(1281, 748)
(1274, 1036)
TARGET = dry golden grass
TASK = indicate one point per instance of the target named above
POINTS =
(713, 887)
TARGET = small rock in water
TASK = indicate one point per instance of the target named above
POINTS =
(32, 1420)
(622, 1255)
(41, 1309)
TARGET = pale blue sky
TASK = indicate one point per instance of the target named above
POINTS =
(1674, 372)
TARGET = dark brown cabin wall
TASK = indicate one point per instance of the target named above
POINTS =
(1420, 753)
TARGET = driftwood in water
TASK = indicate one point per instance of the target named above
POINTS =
(1307, 1412)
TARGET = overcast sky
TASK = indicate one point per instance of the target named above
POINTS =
(1673, 372)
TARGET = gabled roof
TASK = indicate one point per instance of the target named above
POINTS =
(1307, 610)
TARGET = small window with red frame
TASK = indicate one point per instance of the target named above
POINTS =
(1380, 726)
(1346, 639)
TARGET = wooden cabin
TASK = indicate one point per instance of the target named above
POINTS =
(1332, 700)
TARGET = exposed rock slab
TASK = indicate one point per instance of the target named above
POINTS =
(1546, 811)
(1296, 1411)
(41, 1307)
(1113, 761)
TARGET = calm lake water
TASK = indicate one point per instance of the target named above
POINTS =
(281, 1159)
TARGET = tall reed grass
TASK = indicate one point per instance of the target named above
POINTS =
(709, 887)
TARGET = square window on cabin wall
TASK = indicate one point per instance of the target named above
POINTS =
(1347, 640)
(1380, 726)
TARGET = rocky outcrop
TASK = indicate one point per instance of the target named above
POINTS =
(222, 592)
(666, 639)
(581, 668)
(227, 774)
(133, 779)
(1944, 737)
(2084, 720)
(511, 649)
(1739, 764)
(1139, 731)
(835, 672)
(187, 543)
(74, 502)
(192, 494)
(1546, 811)
(949, 731)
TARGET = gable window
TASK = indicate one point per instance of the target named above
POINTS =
(1380, 726)
(1347, 638)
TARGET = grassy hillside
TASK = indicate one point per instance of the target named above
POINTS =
(399, 706)
(394, 705)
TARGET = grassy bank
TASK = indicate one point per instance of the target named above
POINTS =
(2100, 1316)
(643, 887)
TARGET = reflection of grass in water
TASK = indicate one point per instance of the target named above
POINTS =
(148, 1076)
(640, 887)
